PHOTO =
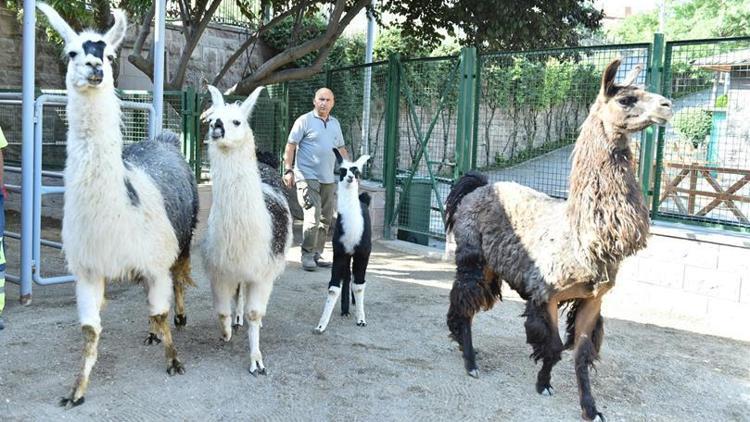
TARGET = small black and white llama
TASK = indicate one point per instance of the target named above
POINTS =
(249, 226)
(128, 214)
(351, 243)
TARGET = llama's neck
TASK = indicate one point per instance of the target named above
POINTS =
(94, 137)
(350, 215)
(236, 178)
(606, 211)
(348, 195)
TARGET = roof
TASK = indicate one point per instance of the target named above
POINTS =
(724, 62)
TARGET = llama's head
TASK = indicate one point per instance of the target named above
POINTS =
(349, 172)
(627, 107)
(89, 53)
(229, 124)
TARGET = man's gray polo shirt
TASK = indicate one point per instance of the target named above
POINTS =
(315, 140)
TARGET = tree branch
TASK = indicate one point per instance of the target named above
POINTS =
(135, 58)
(251, 40)
(265, 73)
(178, 77)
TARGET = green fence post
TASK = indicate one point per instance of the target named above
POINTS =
(666, 90)
(466, 117)
(655, 70)
(391, 142)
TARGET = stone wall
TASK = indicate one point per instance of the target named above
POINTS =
(216, 45)
(50, 69)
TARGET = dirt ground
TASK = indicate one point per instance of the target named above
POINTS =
(400, 367)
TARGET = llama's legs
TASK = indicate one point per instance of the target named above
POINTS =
(589, 331)
(255, 310)
(223, 294)
(359, 268)
(239, 307)
(345, 275)
(89, 297)
(469, 294)
(333, 295)
(159, 298)
(181, 277)
(544, 337)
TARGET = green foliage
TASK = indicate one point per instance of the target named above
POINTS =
(496, 25)
(693, 125)
(691, 19)
(526, 88)
(289, 33)
(392, 40)
(722, 101)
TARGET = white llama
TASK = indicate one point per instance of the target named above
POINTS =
(249, 227)
(128, 214)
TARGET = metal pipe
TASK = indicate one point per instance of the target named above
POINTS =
(365, 145)
(158, 99)
(27, 146)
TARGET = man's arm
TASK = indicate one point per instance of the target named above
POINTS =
(342, 151)
(288, 163)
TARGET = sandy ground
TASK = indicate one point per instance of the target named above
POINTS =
(400, 367)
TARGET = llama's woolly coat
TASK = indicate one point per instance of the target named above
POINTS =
(145, 195)
(248, 220)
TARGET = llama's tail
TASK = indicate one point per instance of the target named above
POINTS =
(364, 197)
(465, 185)
(169, 138)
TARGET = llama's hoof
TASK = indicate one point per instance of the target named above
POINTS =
(361, 324)
(180, 320)
(175, 367)
(598, 418)
(152, 339)
(345, 314)
(236, 327)
(319, 329)
(70, 402)
(257, 371)
(546, 391)
(474, 373)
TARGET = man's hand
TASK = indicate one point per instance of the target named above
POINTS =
(289, 179)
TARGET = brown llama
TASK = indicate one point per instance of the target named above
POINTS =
(555, 252)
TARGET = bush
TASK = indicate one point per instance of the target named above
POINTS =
(721, 101)
(693, 125)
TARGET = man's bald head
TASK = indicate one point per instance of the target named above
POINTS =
(323, 102)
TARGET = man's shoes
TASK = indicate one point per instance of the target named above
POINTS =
(308, 263)
(320, 262)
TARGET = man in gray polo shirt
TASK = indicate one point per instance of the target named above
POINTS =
(313, 137)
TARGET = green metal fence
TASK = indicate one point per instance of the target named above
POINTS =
(512, 115)
(532, 104)
(703, 158)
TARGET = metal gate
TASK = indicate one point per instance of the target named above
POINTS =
(421, 154)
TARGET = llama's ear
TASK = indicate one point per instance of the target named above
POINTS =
(361, 161)
(248, 105)
(57, 22)
(116, 34)
(339, 158)
(608, 78)
(632, 75)
(217, 99)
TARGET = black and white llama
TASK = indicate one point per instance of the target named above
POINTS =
(249, 227)
(351, 243)
(128, 214)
